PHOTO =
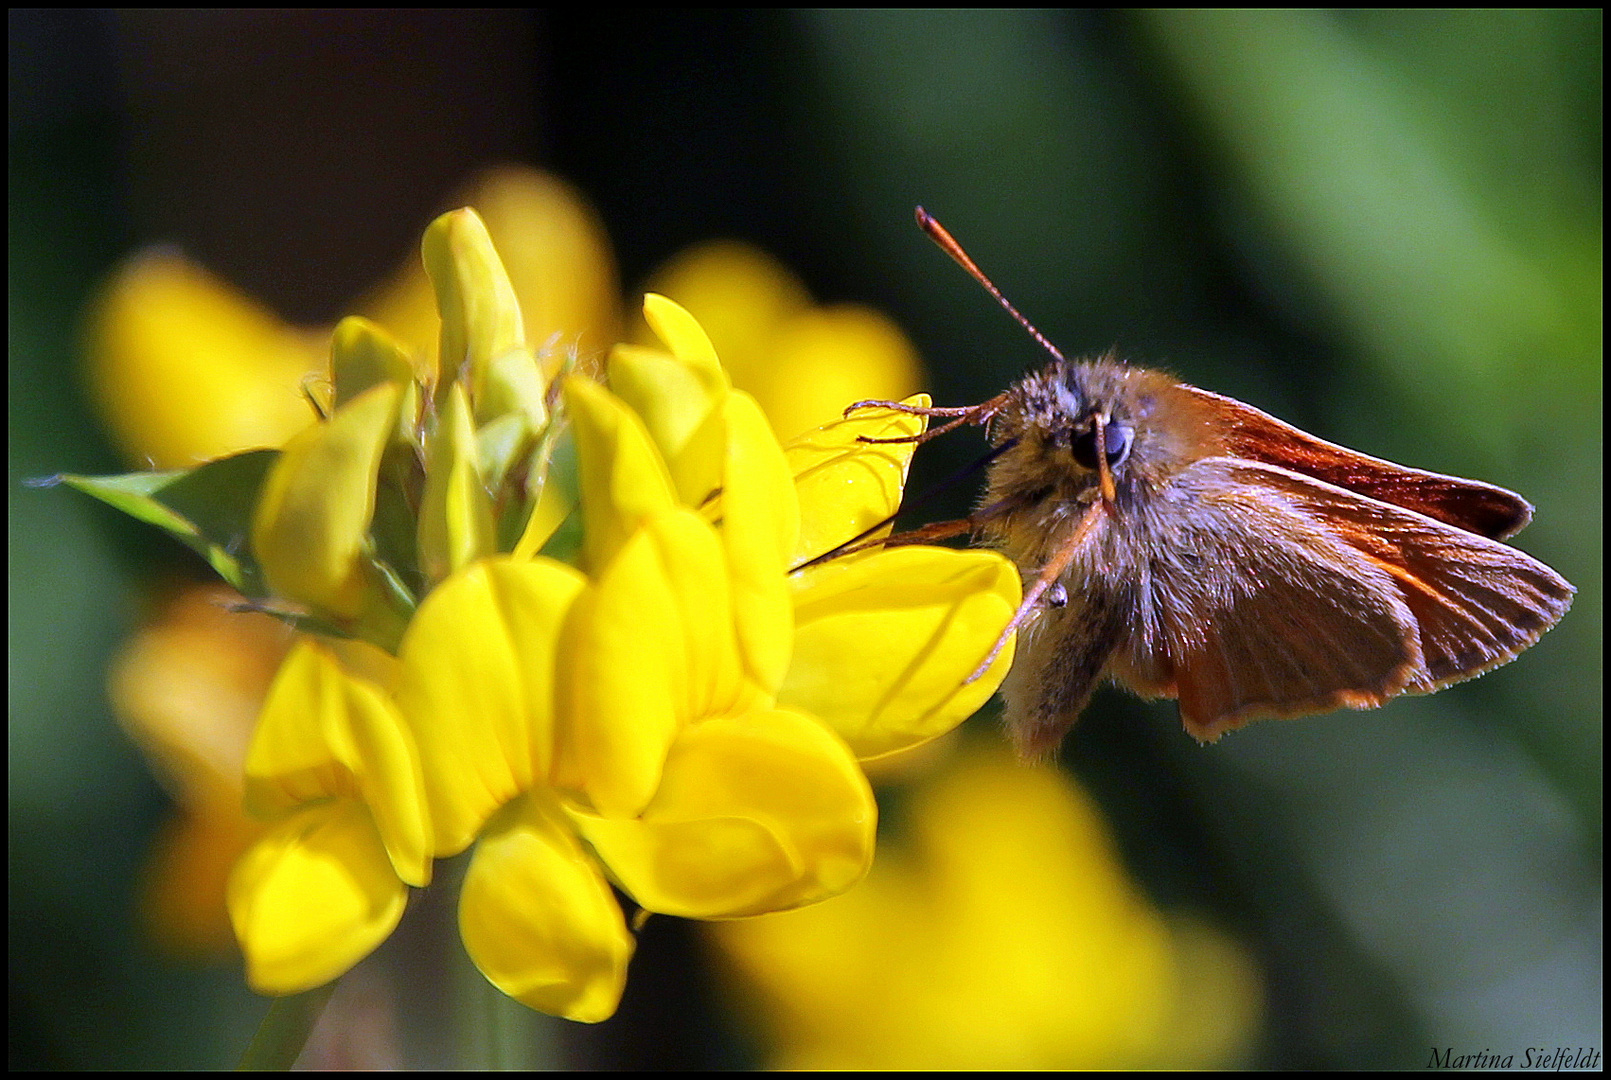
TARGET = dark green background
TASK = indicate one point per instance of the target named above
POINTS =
(1383, 227)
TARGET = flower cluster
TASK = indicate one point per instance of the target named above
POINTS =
(552, 617)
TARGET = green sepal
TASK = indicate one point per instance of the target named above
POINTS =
(301, 621)
(381, 623)
(393, 527)
(556, 463)
(500, 446)
(389, 605)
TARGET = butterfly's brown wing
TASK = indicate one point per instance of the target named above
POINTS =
(1280, 595)
(1477, 603)
(1245, 432)
(1253, 609)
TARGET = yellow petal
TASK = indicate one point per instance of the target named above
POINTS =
(883, 644)
(539, 920)
(290, 761)
(687, 341)
(481, 318)
(558, 259)
(478, 691)
(698, 468)
(845, 485)
(623, 478)
(362, 355)
(313, 897)
(313, 515)
(740, 295)
(679, 396)
(455, 523)
(666, 393)
(379, 748)
(327, 733)
(691, 558)
(760, 524)
(626, 679)
(184, 369)
(823, 359)
(758, 812)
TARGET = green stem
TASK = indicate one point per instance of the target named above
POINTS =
(494, 1032)
(285, 1030)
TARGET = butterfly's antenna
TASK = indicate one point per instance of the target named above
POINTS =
(948, 244)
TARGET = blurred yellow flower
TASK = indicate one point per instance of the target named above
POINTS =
(1001, 934)
(188, 687)
(185, 369)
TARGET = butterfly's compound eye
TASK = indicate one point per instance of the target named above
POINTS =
(1118, 438)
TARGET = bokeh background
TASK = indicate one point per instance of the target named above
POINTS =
(1384, 227)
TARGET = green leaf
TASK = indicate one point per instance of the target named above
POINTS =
(208, 509)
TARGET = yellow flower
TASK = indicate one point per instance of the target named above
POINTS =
(594, 663)
(637, 706)
(633, 713)
(1003, 934)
